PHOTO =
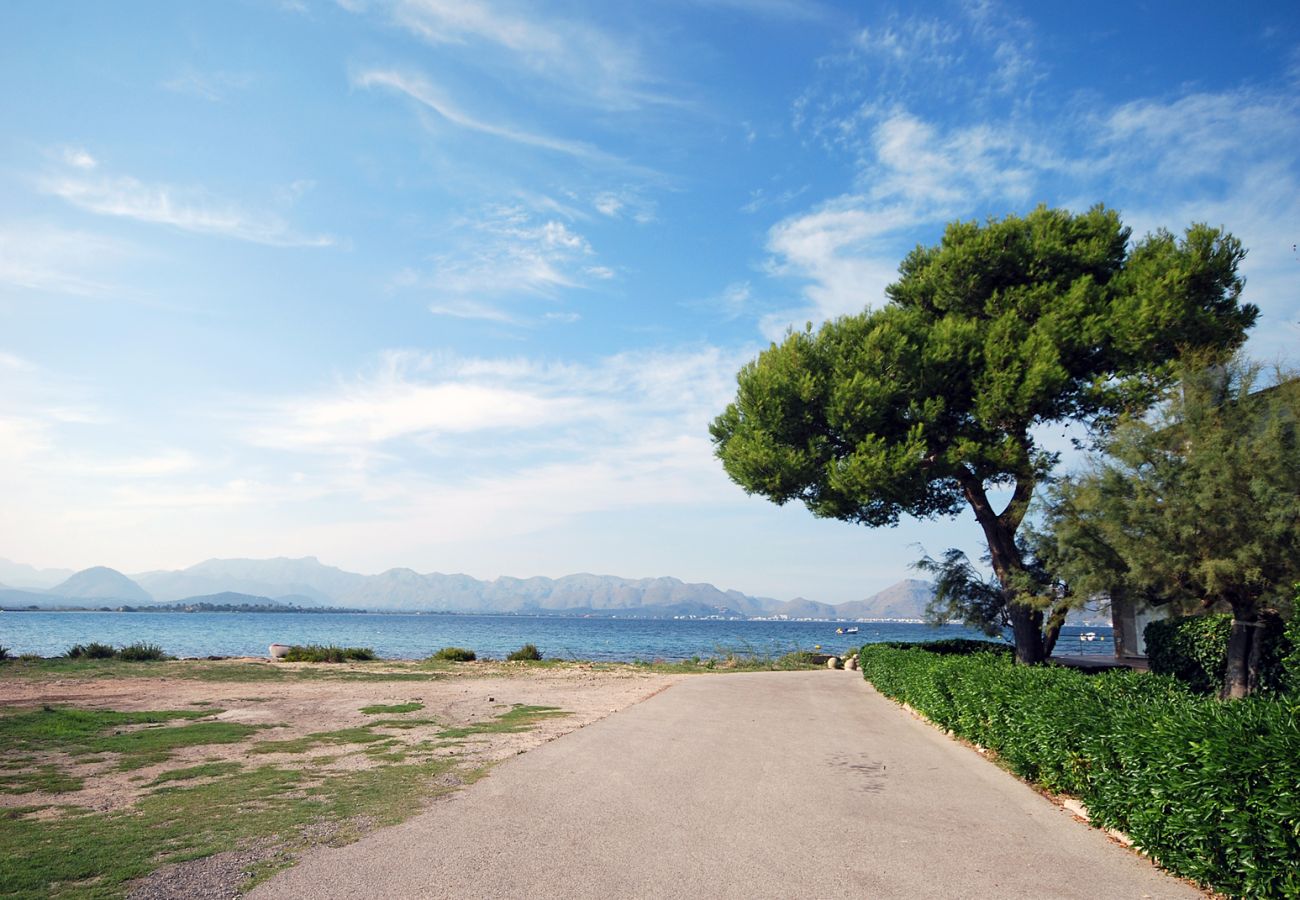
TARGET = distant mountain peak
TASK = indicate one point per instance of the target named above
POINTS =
(101, 583)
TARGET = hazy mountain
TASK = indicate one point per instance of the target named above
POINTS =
(307, 582)
(905, 600)
(101, 583)
(17, 599)
(307, 577)
(21, 575)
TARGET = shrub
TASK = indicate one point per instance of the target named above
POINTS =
(4, 653)
(528, 652)
(93, 650)
(455, 654)
(1206, 787)
(330, 654)
(1194, 649)
(141, 652)
(1290, 661)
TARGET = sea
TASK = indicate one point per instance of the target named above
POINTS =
(415, 636)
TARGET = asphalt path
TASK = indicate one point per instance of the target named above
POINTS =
(771, 784)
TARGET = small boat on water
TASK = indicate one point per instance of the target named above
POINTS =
(852, 629)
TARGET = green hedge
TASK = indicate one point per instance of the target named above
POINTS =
(1210, 789)
(1194, 649)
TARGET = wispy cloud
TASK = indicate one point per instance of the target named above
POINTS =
(580, 62)
(41, 257)
(504, 255)
(187, 209)
(214, 87)
(1224, 158)
(418, 88)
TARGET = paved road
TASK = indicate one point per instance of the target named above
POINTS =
(801, 784)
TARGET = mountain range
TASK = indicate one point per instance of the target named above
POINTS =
(308, 582)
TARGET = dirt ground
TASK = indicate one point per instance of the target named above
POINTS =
(465, 694)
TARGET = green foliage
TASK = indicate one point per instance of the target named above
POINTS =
(1194, 649)
(921, 406)
(93, 650)
(528, 652)
(141, 652)
(455, 654)
(1290, 663)
(4, 653)
(1206, 787)
(330, 654)
(1195, 506)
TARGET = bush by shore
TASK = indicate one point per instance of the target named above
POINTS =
(318, 653)
(1207, 788)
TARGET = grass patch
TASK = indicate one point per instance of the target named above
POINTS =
(403, 723)
(48, 779)
(81, 732)
(380, 709)
(514, 720)
(362, 735)
(94, 855)
(330, 654)
(207, 770)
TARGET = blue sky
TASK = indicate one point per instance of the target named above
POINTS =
(459, 285)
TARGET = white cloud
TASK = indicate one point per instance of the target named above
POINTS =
(1223, 158)
(211, 86)
(578, 61)
(188, 209)
(40, 257)
(420, 89)
(78, 158)
(504, 256)
(171, 462)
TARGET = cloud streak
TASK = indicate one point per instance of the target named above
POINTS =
(186, 209)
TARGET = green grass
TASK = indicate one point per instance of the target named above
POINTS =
(514, 720)
(380, 709)
(214, 671)
(206, 770)
(361, 735)
(94, 855)
(81, 732)
(47, 778)
(203, 809)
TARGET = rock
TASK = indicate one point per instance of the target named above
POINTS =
(1076, 807)
(279, 651)
(833, 662)
(851, 663)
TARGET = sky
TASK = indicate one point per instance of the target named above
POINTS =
(458, 285)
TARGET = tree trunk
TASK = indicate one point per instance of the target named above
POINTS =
(1053, 630)
(1244, 645)
(1000, 533)
(1027, 627)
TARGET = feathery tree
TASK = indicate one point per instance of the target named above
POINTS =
(1196, 506)
(929, 403)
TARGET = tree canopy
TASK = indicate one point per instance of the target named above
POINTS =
(1195, 506)
(927, 403)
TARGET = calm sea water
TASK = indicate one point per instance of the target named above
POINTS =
(407, 636)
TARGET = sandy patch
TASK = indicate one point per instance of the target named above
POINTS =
(285, 710)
